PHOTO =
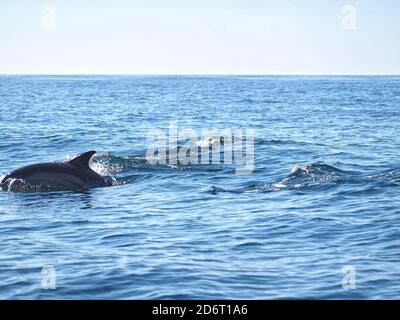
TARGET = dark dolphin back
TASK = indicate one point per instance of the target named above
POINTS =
(82, 163)
(75, 174)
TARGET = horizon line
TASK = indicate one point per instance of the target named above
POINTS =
(204, 74)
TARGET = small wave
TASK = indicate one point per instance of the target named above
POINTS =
(317, 175)
(215, 141)
(390, 176)
(305, 176)
(302, 176)
(248, 244)
(315, 170)
(208, 142)
(126, 169)
(215, 190)
(277, 141)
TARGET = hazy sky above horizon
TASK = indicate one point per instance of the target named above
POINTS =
(200, 37)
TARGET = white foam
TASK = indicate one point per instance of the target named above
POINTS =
(105, 170)
(303, 168)
(298, 167)
(212, 141)
(279, 185)
(215, 140)
(11, 182)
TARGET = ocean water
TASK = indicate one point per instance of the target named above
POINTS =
(318, 218)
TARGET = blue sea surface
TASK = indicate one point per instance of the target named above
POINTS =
(319, 212)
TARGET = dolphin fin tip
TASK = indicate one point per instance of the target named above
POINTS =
(83, 159)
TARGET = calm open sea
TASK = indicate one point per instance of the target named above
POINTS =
(318, 218)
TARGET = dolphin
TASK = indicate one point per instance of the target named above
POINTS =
(74, 175)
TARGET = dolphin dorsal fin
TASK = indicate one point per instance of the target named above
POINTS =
(83, 159)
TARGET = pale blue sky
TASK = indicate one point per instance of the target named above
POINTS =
(199, 37)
